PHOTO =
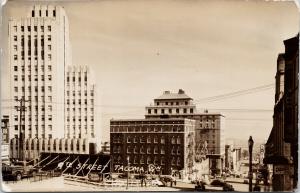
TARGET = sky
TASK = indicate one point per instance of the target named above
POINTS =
(138, 48)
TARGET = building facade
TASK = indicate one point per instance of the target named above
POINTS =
(282, 145)
(5, 138)
(158, 146)
(80, 105)
(210, 127)
(38, 54)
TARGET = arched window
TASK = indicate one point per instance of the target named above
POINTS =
(178, 161)
(142, 161)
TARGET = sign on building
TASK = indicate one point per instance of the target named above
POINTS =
(281, 169)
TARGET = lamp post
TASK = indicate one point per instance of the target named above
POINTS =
(250, 145)
(127, 172)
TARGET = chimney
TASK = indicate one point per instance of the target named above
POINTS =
(181, 91)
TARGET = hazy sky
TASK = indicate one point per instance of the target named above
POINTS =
(138, 48)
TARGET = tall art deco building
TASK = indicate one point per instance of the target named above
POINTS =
(38, 55)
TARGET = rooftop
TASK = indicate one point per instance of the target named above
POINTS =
(168, 95)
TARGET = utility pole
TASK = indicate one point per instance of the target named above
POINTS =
(21, 138)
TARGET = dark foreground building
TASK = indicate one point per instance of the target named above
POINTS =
(282, 144)
(157, 146)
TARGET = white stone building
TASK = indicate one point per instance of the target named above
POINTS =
(80, 108)
(39, 52)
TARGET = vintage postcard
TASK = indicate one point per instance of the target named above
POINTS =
(139, 95)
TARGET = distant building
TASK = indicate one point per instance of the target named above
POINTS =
(105, 148)
(161, 146)
(39, 51)
(210, 127)
(80, 105)
(281, 149)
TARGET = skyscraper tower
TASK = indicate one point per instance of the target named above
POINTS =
(39, 53)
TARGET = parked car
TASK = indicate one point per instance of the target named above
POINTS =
(18, 170)
(221, 184)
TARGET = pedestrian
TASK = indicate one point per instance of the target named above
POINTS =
(171, 183)
(175, 182)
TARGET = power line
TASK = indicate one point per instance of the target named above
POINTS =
(235, 94)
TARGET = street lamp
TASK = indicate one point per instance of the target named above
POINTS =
(127, 172)
(250, 145)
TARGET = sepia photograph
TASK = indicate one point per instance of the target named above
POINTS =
(140, 95)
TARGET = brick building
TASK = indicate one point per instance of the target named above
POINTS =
(161, 146)
(210, 127)
(282, 145)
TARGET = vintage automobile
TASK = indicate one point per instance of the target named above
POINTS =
(17, 170)
(220, 184)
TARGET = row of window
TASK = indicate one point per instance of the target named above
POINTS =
(29, 57)
(36, 100)
(35, 77)
(35, 89)
(149, 160)
(79, 118)
(79, 93)
(148, 139)
(79, 109)
(49, 38)
(172, 103)
(79, 101)
(146, 129)
(79, 78)
(29, 48)
(35, 68)
(16, 117)
(170, 111)
(33, 13)
(36, 127)
(35, 28)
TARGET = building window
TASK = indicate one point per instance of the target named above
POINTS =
(163, 111)
(49, 37)
(49, 88)
(155, 111)
(135, 150)
(142, 161)
(15, 57)
(173, 141)
(155, 139)
(142, 139)
(49, 57)
(42, 28)
(49, 28)
(191, 110)
(148, 139)
(162, 140)
(184, 111)
(148, 150)
(142, 151)
(170, 111)
(162, 150)
(16, 77)
(16, 89)
(178, 161)
(155, 150)
(128, 140)
(148, 160)
(15, 68)
(177, 111)
(162, 161)
(149, 111)
(49, 68)
(128, 149)
(15, 38)
(178, 151)
(178, 140)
